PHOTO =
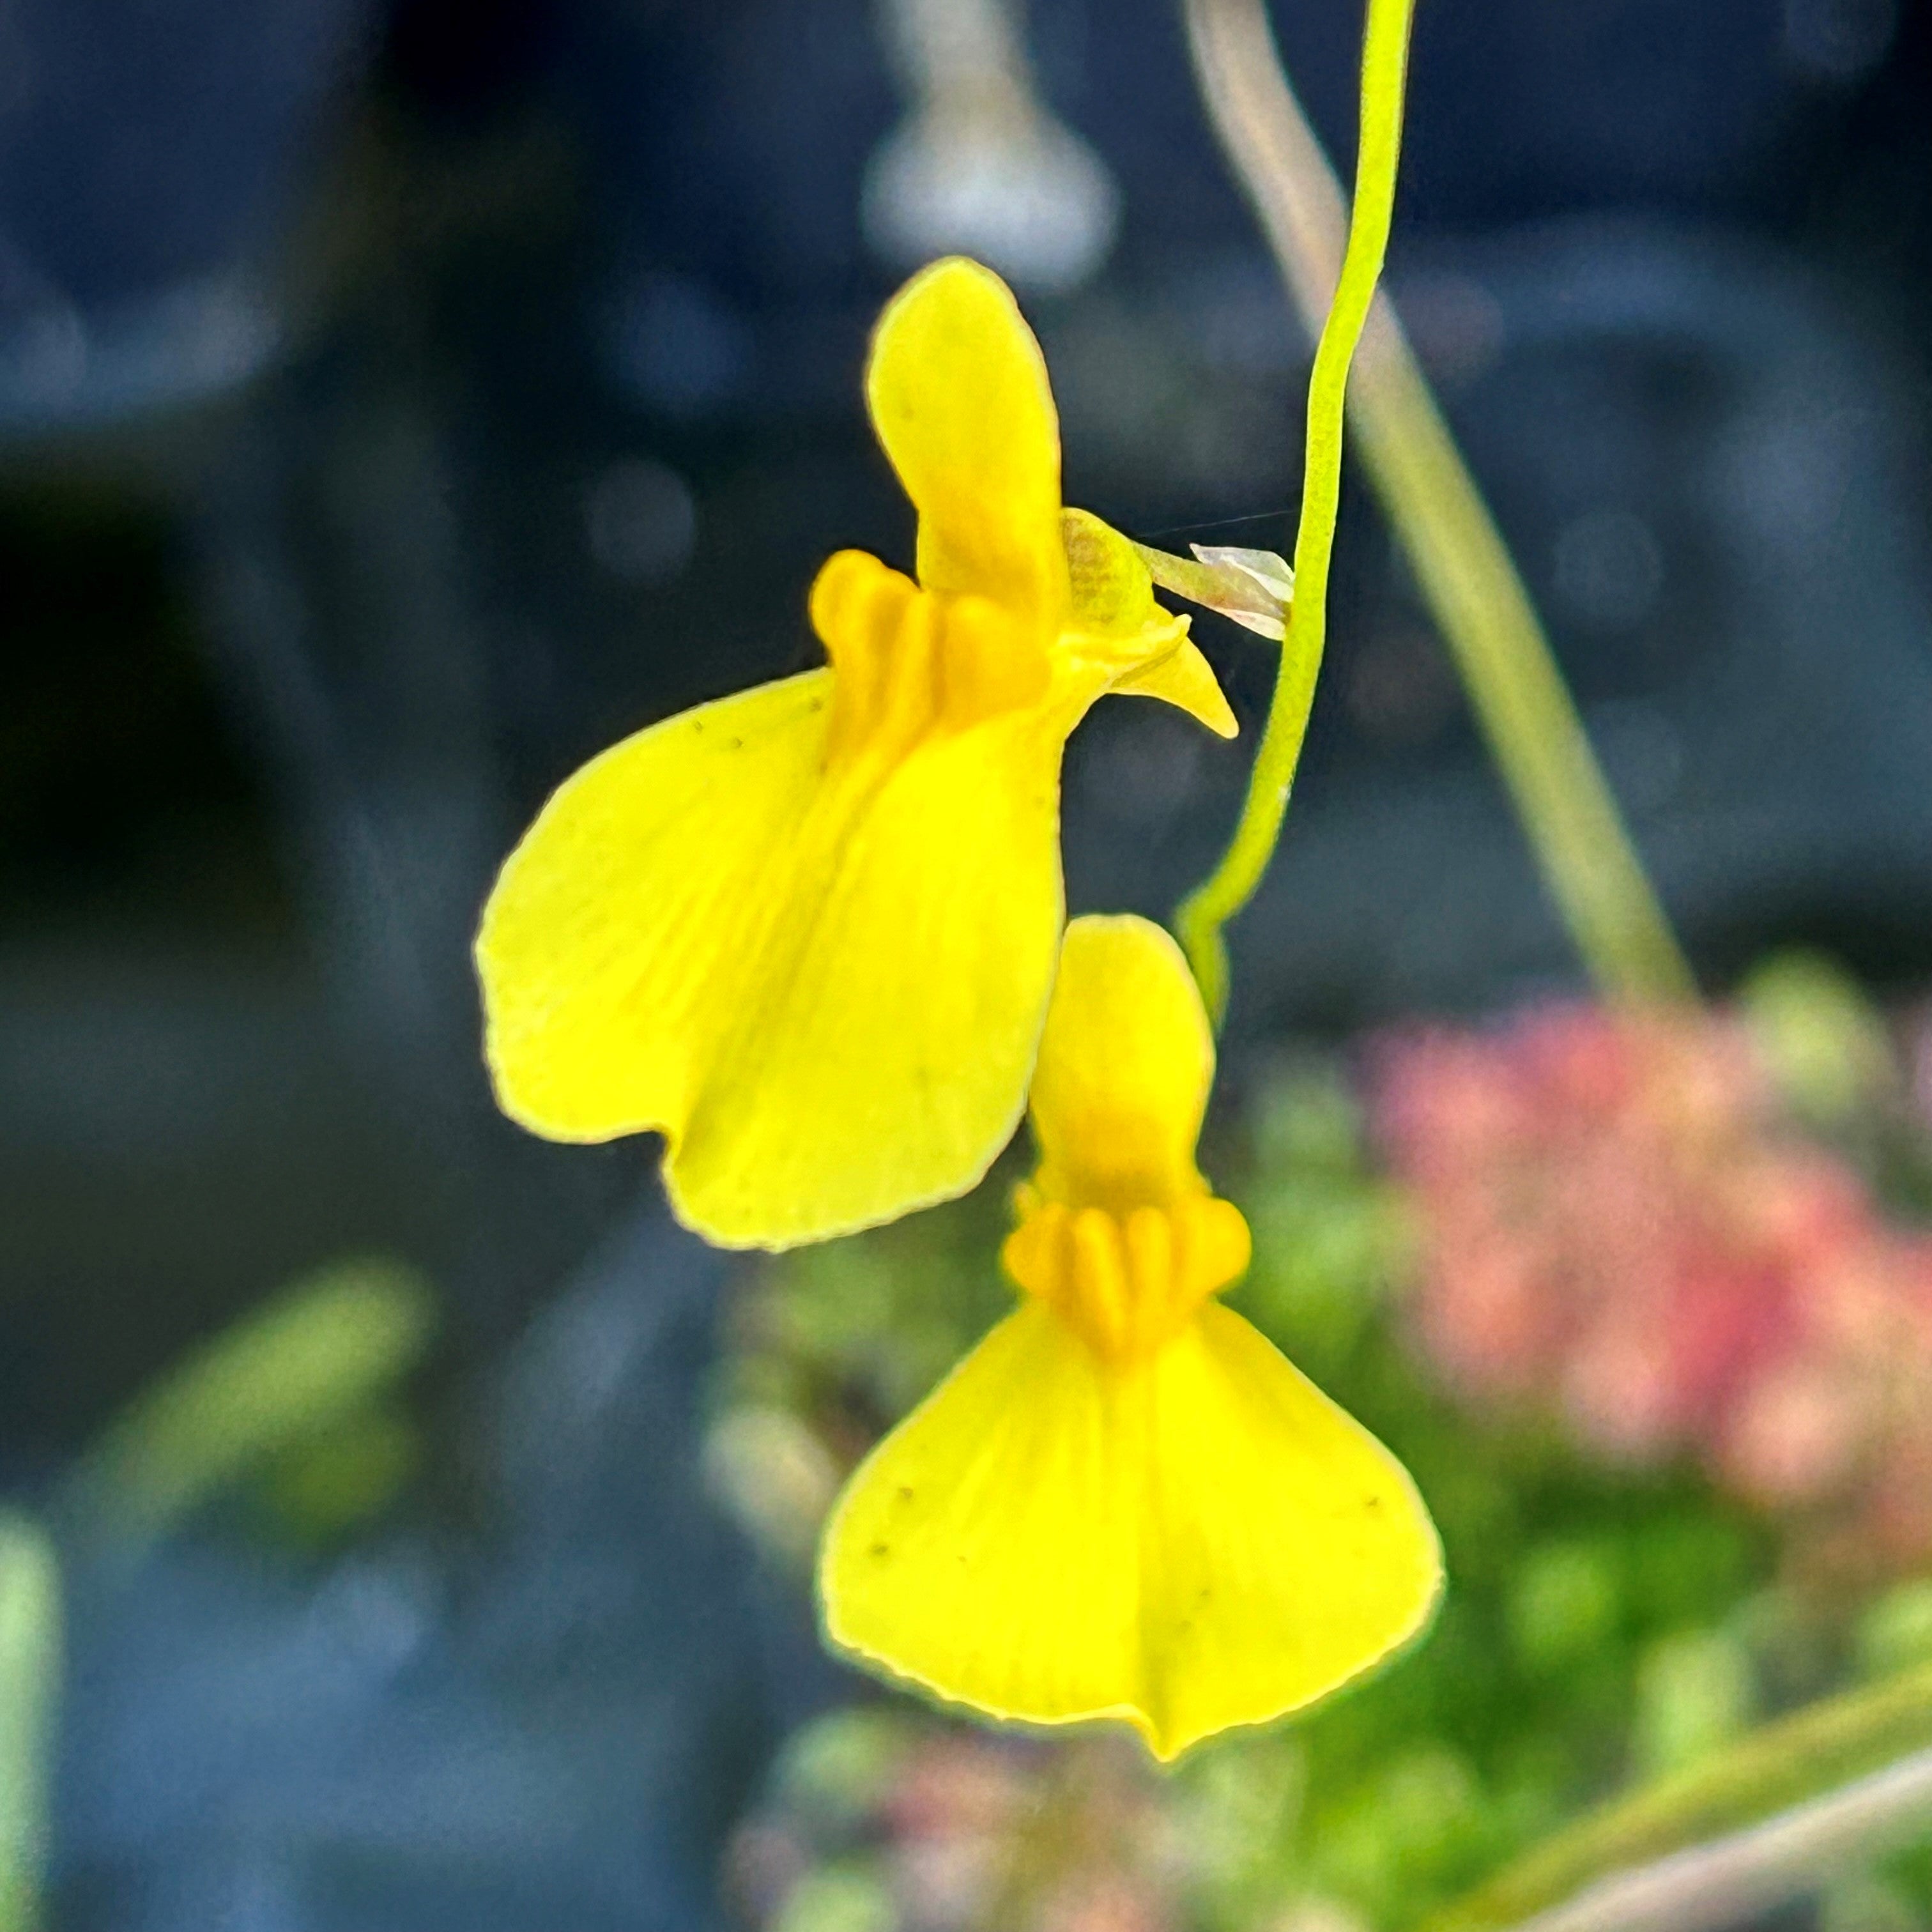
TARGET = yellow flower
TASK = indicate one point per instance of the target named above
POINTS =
(1126, 1503)
(808, 933)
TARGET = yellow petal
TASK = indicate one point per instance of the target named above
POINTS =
(1112, 589)
(958, 390)
(1183, 677)
(827, 998)
(875, 1060)
(1201, 1541)
(1125, 1065)
(1114, 614)
(612, 942)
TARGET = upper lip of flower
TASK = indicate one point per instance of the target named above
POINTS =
(1020, 605)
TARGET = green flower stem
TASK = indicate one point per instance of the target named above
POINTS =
(30, 1671)
(1786, 1763)
(1211, 905)
(1460, 559)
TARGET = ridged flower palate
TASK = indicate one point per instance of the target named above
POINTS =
(808, 933)
(1126, 1503)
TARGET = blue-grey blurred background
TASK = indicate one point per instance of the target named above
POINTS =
(400, 400)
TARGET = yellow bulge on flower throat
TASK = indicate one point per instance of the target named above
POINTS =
(808, 932)
(1126, 1503)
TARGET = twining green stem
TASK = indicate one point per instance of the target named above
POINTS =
(30, 1672)
(1212, 904)
(1782, 1764)
(1460, 560)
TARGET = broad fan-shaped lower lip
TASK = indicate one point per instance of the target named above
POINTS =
(1200, 1542)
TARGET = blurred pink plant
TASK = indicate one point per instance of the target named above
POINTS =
(1621, 1222)
(962, 1831)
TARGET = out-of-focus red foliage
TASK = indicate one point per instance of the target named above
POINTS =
(962, 1829)
(1621, 1222)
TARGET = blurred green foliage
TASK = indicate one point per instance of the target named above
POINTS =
(297, 1396)
(1830, 1050)
(1819, 1033)
(298, 1399)
(30, 1670)
(842, 1897)
(1894, 1633)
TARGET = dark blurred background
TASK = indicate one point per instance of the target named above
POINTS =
(399, 401)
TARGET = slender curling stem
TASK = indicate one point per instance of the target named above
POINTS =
(1775, 1770)
(1211, 905)
(1585, 852)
